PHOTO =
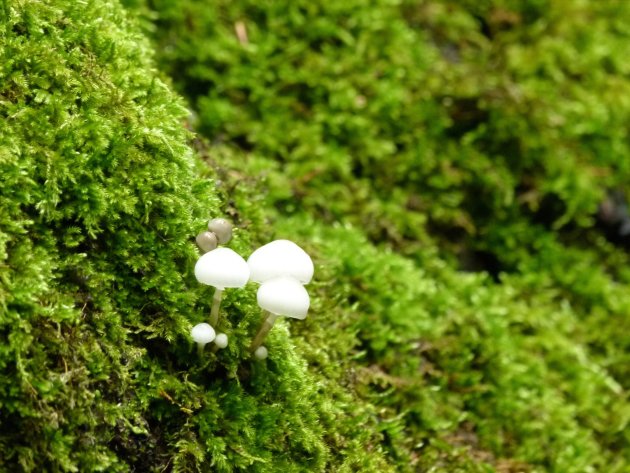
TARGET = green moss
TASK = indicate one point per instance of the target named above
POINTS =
(456, 362)
(484, 132)
(398, 144)
(99, 206)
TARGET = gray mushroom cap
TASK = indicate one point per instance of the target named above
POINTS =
(222, 268)
(284, 296)
(207, 241)
(221, 228)
(280, 258)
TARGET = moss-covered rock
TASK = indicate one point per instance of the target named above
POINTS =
(397, 143)
(484, 132)
(99, 205)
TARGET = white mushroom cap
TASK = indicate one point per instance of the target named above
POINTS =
(261, 353)
(284, 296)
(202, 333)
(221, 341)
(280, 258)
(222, 268)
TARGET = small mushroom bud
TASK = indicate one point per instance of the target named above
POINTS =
(207, 241)
(261, 353)
(221, 341)
(221, 228)
(202, 334)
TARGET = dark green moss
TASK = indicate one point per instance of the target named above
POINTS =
(443, 120)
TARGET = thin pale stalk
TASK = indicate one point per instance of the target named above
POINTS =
(200, 347)
(264, 329)
(216, 303)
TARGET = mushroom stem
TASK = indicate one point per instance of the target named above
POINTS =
(263, 331)
(200, 347)
(216, 303)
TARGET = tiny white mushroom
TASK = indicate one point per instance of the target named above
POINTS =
(202, 334)
(221, 341)
(261, 353)
(280, 296)
(280, 258)
(221, 268)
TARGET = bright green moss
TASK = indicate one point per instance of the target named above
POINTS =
(99, 206)
(393, 142)
(485, 132)
(453, 361)
(98, 200)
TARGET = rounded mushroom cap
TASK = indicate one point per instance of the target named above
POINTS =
(221, 341)
(207, 241)
(280, 258)
(222, 268)
(284, 296)
(261, 353)
(221, 228)
(202, 333)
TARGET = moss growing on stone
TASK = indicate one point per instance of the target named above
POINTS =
(397, 144)
(100, 203)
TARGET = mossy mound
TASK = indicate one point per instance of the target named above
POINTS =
(487, 133)
(398, 143)
(99, 204)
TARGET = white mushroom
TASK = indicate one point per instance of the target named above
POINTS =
(280, 258)
(280, 296)
(221, 268)
(221, 341)
(202, 334)
(261, 353)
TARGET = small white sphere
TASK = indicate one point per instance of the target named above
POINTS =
(202, 333)
(261, 353)
(221, 341)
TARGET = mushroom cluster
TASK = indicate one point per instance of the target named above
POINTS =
(281, 268)
(220, 268)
